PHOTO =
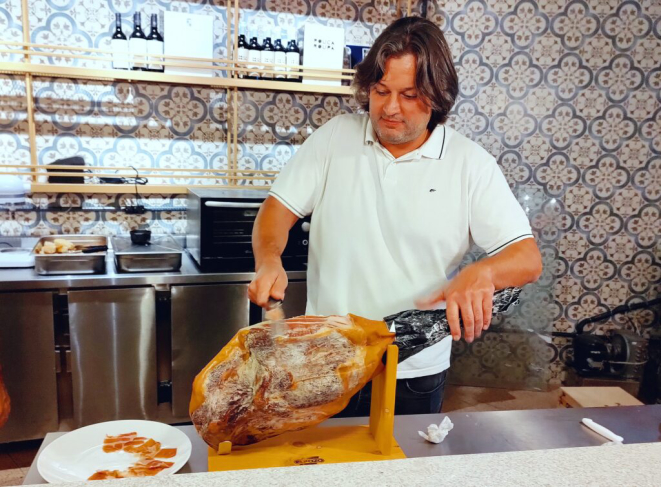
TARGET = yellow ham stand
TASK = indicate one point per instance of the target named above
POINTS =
(326, 444)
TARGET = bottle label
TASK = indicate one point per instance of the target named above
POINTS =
(242, 55)
(155, 48)
(254, 56)
(120, 53)
(138, 47)
(293, 59)
(280, 58)
(268, 57)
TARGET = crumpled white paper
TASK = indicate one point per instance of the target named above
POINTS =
(437, 432)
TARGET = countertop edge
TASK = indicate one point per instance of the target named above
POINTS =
(604, 466)
(28, 280)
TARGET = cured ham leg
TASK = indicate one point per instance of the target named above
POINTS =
(259, 386)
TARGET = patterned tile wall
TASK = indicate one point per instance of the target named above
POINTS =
(566, 93)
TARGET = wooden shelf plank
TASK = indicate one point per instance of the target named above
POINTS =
(50, 70)
(129, 188)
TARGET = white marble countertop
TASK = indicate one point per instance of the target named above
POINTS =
(622, 465)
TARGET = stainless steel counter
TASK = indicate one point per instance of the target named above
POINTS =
(480, 432)
(538, 429)
(27, 279)
(161, 329)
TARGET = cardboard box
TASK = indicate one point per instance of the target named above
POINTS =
(323, 47)
(188, 35)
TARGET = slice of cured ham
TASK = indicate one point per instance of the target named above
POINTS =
(260, 386)
(146, 449)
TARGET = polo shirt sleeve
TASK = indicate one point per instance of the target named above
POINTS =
(496, 217)
(300, 182)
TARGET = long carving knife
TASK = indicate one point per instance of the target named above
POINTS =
(276, 315)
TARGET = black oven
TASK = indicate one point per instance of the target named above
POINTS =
(220, 225)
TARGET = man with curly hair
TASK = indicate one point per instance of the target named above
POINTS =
(396, 199)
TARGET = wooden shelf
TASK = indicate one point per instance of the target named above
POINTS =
(48, 70)
(232, 68)
(129, 188)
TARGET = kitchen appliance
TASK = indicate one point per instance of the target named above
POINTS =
(615, 354)
(15, 258)
(619, 354)
(67, 161)
(161, 254)
(13, 190)
(220, 226)
(72, 262)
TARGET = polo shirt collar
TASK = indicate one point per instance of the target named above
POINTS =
(370, 134)
(433, 148)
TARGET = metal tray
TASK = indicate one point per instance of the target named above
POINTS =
(163, 254)
(74, 263)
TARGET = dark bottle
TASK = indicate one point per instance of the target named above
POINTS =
(242, 50)
(268, 54)
(155, 46)
(120, 46)
(280, 57)
(254, 55)
(293, 56)
(138, 45)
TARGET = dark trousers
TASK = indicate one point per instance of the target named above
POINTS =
(422, 395)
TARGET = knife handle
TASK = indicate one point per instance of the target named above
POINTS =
(94, 248)
(274, 312)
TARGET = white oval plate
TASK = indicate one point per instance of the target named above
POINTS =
(77, 455)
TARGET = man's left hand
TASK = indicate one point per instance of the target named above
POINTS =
(469, 293)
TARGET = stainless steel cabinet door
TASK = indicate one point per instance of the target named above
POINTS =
(113, 348)
(204, 319)
(27, 356)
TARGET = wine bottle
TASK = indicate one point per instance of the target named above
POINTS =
(280, 55)
(254, 54)
(267, 54)
(138, 45)
(242, 49)
(155, 46)
(293, 56)
(120, 46)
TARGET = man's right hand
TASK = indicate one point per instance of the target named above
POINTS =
(270, 282)
(269, 239)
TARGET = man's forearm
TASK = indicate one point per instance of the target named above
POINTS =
(518, 264)
(469, 294)
(271, 231)
(268, 243)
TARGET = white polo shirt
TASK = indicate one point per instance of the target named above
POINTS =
(386, 231)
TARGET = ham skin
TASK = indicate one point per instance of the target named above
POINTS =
(260, 386)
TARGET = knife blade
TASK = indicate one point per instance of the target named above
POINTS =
(276, 315)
